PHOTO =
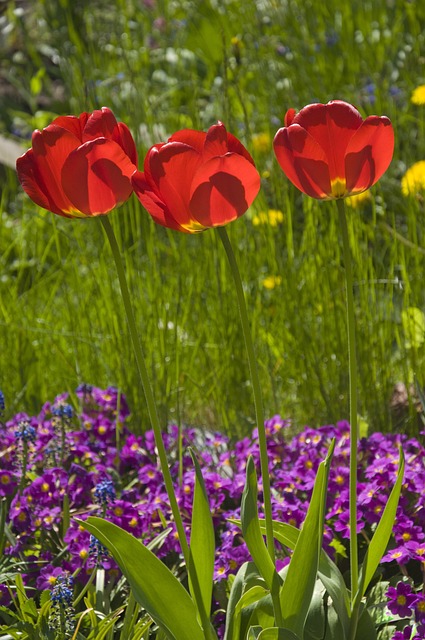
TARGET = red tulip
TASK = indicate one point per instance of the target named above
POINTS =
(328, 151)
(197, 180)
(79, 166)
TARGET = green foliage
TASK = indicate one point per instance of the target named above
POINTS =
(381, 536)
(153, 584)
(202, 541)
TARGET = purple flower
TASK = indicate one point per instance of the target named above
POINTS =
(48, 577)
(401, 600)
(403, 635)
(400, 554)
(420, 609)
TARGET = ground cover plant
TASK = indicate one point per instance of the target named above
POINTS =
(201, 177)
(85, 460)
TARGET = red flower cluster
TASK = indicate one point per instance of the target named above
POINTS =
(85, 166)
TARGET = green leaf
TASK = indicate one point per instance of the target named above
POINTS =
(254, 632)
(251, 529)
(247, 599)
(202, 540)
(153, 584)
(381, 536)
(277, 633)
(246, 578)
(328, 572)
(298, 588)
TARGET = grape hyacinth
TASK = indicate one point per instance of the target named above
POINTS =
(62, 613)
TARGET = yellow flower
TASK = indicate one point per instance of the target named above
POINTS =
(261, 142)
(273, 217)
(414, 179)
(271, 282)
(418, 95)
(358, 200)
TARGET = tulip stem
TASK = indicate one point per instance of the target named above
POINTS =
(258, 402)
(153, 415)
(352, 368)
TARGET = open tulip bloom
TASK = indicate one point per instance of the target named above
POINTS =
(80, 166)
(328, 151)
(197, 180)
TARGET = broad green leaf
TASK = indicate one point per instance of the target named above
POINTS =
(254, 632)
(277, 633)
(328, 572)
(246, 578)
(202, 540)
(381, 536)
(251, 529)
(153, 584)
(298, 588)
(248, 598)
(259, 614)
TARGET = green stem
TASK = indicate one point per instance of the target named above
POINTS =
(259, 414)
(25, 454)
(153, 415)
(352, 366)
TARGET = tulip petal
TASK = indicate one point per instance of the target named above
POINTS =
(101, 124)
(332, 125)
(32, 183)
(191, 138)
(216, 142)
(222, 189)
(73, 124)
(40, 169)
(153, 203)
(235, 146)
(369, 153)
(96, 176)
(169, 169)
(127, 142)
(303, 161)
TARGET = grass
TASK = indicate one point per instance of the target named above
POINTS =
(162, 66)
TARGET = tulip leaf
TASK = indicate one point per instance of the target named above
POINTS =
(248, 598)
(329, 574)
(202, 540)
(277, 633)
(298, 587)
(152, 583)
(381, 536)
(251, 529)
(254, 632)
(246, 578)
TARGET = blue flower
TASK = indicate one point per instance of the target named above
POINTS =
(104, 492)
(25, 432)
